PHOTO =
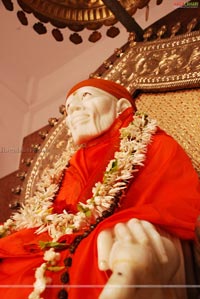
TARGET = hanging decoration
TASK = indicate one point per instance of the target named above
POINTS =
(77, 15)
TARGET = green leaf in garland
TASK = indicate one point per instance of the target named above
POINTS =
(114, 166)
(86, 211)
(55, 268)
(44, 245)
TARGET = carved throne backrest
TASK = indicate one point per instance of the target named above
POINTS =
(178, 113)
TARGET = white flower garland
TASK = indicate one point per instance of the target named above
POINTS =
(50, 258)
(37, 210)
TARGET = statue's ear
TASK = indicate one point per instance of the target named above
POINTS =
(122, 104)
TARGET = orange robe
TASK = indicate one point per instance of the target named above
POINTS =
(166, 192)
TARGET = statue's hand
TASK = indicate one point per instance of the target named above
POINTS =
(137, 255)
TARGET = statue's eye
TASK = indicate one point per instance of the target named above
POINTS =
(85, 94)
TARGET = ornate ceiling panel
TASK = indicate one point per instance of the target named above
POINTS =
(81, 12)
(77, 15)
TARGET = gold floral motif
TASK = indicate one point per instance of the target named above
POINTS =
(161, 64)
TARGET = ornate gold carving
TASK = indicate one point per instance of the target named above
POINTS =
(118, 52)
(14, 205)
(43, 134)
(162, 64)
(62, 109)
(107, 64)
(161, 31)
(35, 147)
(52, 121)
(21, 175)
(192, 24)
(50, 151)
(131, 38)
(17, 190)
(175, 29)
(27, 162)
(148, 33)
(80, 12)
(178, 113)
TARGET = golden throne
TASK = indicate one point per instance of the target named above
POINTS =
(163, 74)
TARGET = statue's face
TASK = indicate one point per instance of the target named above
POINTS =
(90, 112)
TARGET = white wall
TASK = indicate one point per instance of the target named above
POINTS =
(36, 99)
(12, 115)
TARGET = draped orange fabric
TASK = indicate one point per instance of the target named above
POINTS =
(166, 192)
(117, 90)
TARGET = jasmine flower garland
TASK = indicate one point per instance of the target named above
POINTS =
(36, 212)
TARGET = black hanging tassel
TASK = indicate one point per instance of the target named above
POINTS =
(8, 4)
